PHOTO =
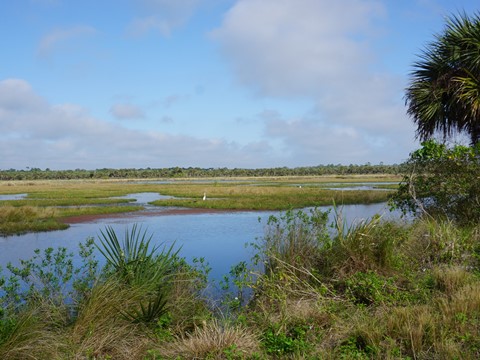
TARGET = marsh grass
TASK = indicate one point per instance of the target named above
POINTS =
(73, 197)
(17, 220)
(65, 213)
(100, 330)
(241, 197)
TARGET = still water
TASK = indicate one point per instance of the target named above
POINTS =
(218, 237)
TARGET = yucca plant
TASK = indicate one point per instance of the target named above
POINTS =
(148, 312)
(133, 260)
(138, 264)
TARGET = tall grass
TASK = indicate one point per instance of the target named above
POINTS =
(38, 333)
(374, 290)
(18, 220)
(100, 330)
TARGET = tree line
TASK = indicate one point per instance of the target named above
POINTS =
(197, 172)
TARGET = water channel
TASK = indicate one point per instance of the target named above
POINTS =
(219, 237)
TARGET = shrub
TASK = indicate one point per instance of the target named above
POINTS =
(363, 246)
(134, 260)
(442, 181)
(137, 264)
(50, 275)
(370, 288)
(294, 238)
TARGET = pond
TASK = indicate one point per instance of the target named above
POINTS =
(13, 197)
(219, 237)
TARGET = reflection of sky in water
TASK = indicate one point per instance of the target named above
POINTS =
(13, 197)
(146, 197)
(218, 237)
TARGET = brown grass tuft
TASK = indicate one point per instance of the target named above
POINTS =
(213, 341)
(101, 331)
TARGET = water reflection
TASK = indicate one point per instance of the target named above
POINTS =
(12, 197)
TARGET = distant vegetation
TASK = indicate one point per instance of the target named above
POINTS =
(195, 172)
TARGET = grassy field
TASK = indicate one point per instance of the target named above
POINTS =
(48, 203)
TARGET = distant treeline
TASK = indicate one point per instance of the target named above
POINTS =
(195, 172)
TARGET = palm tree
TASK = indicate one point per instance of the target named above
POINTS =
(444, 91)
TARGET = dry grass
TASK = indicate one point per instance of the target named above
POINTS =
(465, 300)
(100, 330)
(38, 334)
(213, 341)
(450, 279)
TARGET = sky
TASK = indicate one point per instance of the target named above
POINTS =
(91, 84)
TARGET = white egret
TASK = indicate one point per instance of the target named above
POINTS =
(204, 196)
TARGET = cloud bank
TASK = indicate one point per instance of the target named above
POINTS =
(67, 136)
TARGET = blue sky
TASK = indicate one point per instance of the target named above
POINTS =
(210, 83)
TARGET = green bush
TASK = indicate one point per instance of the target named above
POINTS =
(368, 288)
(278, 341)
(51, 275)
(294, 238)
(136, 263)
(442, 181)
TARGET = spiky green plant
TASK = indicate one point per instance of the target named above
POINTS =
(148, 312)
(138, 264)
(133, 259)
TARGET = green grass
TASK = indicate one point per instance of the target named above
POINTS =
(266, 197)
(96, 210)
(19, 220)
(26, 218)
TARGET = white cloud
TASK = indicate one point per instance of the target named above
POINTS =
(35, 133)
(307, 142)
(292, 47)
(322, 51)
(162, 15)
(17, 95)
(127, 111)
(53, 39)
